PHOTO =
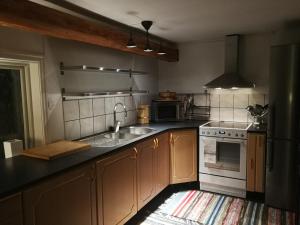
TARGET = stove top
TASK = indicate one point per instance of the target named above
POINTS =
(227, 125)
(225, 129)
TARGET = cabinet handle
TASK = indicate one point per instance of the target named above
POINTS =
(135, 155)
(171, 139)
(157, 142)
(154, 142)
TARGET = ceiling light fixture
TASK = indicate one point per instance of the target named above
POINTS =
(147, 24)
(161, 50)
(131, 43)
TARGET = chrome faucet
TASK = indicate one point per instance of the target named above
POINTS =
(116, 122)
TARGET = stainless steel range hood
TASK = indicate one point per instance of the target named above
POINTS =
(231, 78)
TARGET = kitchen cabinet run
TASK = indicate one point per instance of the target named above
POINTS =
(107, 191)
(11, 210)
(116, 188)
(183, 148)
(256, 162)
(67, 199)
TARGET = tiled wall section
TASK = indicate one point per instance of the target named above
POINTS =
(231, 106)
(86, 117)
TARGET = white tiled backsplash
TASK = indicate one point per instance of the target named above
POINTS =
(84, 117)
(231, 106)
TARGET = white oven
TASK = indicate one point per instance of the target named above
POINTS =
(224, 157)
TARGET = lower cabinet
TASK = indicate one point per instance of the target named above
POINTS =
(116, 188)
(68, 199)
(183, 147)
(162, 162)
(146, 172)
(11, 210)
(256, 162)
(153, 168)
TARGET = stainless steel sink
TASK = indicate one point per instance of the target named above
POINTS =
(112, 139)
(120, 135)
(137, 130)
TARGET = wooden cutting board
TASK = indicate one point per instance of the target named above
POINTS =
(56, 150)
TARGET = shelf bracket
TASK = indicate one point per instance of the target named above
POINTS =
(130, 73)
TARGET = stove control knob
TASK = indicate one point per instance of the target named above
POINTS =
(229, 134)
(208, 132)
(203, 132)
(236, 134)
(242, 135)
(216, 133)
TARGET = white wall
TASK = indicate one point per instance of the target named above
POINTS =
(198, 63)
(54, 50)
(201, 62)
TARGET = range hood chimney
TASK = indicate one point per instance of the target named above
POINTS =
(231, 78)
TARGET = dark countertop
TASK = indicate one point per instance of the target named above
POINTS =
(18, 173)
(258, 129)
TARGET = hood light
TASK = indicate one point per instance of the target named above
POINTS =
(234, 88)
(218, 88)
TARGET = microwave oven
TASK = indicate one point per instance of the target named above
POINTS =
(164, 111)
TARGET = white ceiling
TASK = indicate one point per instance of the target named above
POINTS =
(190, 20)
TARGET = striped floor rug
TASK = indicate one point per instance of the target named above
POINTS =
(197, 207)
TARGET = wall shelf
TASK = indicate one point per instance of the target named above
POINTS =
(103, 94)
(100, 69)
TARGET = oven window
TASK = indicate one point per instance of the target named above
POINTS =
(228, 156)
(167, 112)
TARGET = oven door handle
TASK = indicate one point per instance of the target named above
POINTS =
(231, 140)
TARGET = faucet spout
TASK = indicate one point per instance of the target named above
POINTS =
(117, 123)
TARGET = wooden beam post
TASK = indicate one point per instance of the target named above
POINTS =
(33, 17)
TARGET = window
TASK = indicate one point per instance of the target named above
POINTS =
(21, 102)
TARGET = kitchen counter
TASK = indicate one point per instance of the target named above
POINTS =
(261, 129)
(20, 172)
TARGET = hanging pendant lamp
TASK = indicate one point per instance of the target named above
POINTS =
(147, 24)
(131, 43)
(161, 50)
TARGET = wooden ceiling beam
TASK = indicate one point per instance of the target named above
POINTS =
(33, 17)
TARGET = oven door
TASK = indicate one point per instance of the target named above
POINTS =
(223, 157)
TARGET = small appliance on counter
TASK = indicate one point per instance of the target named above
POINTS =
(143, 114)
(167, 108)
(167, 111)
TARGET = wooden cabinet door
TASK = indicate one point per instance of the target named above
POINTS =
(146, 172)
(183, 146)
(116, 188)
(260, 163)
(11, 210)
(162, 162)
(251, 146)
(256, 162)
(68, 199)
